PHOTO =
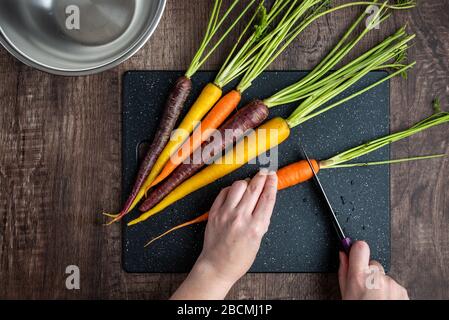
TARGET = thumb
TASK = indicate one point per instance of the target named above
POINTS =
(359, 258)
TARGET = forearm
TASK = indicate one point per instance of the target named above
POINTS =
(202, 283)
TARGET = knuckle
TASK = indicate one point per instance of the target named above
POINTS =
(376, 268)
(224, 190)
(237, 223)
(222, 219)
(272, 183)
(257, 230)
(268, 196)
(239, 184)
(252, 187)
(214, 214)
(382, 281)
(264, 230)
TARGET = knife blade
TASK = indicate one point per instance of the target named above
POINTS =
(345, 242)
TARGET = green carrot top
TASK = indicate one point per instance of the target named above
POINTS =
(340, 160)
(239, 59)
(214, 24)
(264, 46)
(339, 81)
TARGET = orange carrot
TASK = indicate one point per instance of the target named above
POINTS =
(199, 219)
(296, 173)
(215, 118)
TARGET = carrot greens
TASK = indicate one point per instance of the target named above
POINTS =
(214, 24)
(336, 161)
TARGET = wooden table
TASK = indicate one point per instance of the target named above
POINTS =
(60, 166)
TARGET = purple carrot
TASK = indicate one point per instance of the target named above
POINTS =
(173, 107)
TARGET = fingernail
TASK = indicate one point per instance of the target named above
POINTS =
(263, 171)
(272, 173)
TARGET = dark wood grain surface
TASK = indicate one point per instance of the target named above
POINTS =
(60, 166)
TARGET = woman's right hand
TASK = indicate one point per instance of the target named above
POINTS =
(362, 279)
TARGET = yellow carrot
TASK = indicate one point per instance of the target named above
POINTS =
(267, 136)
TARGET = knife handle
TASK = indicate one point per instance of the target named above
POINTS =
(346, 244)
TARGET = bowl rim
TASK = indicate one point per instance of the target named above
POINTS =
(125, 55)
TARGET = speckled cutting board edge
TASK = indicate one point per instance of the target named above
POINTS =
(300, 238)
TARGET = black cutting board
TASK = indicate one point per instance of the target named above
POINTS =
(300, 238)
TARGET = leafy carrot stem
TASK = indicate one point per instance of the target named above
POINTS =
(377, 163)
(199, 219)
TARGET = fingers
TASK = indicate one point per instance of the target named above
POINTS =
(256, 196)
(343, 271)
(253, 192)
(265, 205)
(235, 194)
(221, 198)
(359, 258)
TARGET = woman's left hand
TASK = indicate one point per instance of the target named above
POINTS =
(238, 220)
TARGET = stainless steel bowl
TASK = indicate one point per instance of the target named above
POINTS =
(45, 33)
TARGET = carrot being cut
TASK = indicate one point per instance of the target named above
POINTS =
(384, 55)
(176, 100)
(310, 86)
(295, 173)
(299, 172)
(303, 175)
